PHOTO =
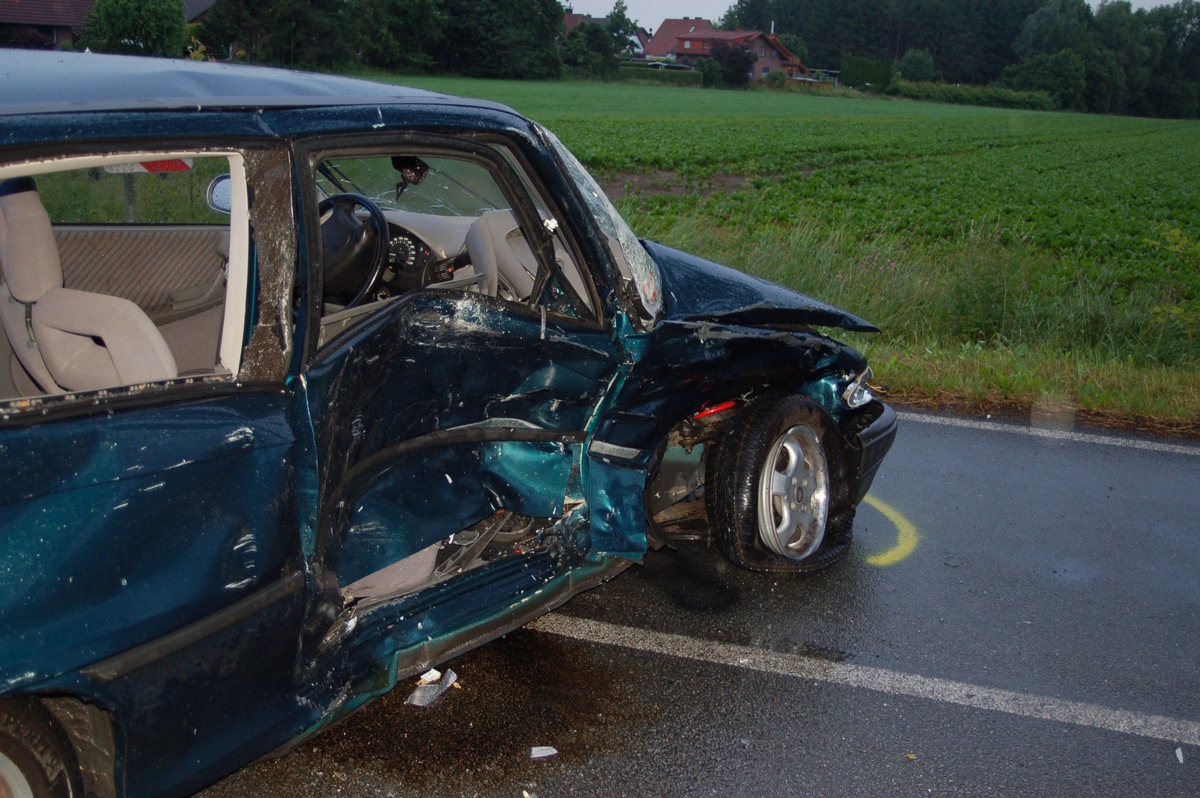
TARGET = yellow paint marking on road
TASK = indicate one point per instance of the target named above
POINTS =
(906, 535)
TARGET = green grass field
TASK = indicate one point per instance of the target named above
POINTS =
(1017, 261)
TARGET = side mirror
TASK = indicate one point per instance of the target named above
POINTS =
(220, 194)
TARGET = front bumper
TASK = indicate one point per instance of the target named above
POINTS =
(874, 441)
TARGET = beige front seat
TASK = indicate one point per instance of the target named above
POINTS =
(68, 340)
(28, 370)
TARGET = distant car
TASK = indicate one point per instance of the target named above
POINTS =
(668, 65)
(311, 383)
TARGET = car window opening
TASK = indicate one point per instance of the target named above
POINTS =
(450, 225)
(116, 272)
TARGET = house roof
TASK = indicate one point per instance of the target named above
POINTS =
(69, 13)
(194, 8)
(52, 13)
(668, 33)
(738, 37)
(724, 35)
(713, 35)
(571, 20)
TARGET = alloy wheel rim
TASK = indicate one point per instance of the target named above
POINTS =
(793, 501)
(13, 783)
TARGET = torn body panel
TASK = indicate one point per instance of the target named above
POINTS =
(430, 495)
(441, 410)
(383, 642)
(686, 366)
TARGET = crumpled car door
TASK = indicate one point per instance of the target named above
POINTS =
(441, 411)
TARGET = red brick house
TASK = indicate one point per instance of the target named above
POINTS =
(667, 36)
(52, 24)
(571, 20)
(44, 23)
(770, 54)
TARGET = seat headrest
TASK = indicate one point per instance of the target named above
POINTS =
(30, 256)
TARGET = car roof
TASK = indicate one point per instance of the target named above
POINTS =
(48, 82)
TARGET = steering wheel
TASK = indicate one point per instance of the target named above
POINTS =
(353, 250)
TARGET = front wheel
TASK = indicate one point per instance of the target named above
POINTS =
(776, 482)
(36, 758)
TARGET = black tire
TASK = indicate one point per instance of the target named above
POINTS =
(792, 433)
(36, 758)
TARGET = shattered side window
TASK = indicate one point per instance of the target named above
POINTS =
(632, 258)
(466, 221)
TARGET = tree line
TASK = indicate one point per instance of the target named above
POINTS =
(477, 38)
(1112, 60)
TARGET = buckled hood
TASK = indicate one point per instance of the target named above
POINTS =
(695, 289)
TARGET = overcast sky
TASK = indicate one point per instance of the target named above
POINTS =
(650, 13)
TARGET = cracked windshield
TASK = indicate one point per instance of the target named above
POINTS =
(440, 186)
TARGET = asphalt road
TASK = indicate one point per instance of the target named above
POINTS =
(1019, 616)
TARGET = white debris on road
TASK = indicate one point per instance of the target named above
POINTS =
(430, 687)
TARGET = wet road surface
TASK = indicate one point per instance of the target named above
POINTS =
(1019, 615)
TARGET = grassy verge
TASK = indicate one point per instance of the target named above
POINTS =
(977, 326)
(1025, 382)
(1017, 261)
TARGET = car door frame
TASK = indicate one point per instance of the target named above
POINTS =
(245, 424)
(469, 146)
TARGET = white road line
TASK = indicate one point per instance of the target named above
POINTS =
(1053, 434)
(879, 680)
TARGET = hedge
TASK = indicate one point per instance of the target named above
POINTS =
(988, 96)
(670, 77)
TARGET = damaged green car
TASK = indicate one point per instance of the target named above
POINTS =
(308, 384)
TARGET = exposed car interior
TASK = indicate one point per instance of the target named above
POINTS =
(114, 275)
(392, 224)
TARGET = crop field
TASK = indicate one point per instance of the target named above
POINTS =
(1017, 261)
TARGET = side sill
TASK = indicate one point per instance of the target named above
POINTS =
(126, 662)
(411, 661)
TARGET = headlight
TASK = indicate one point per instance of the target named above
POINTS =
(858, 393)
